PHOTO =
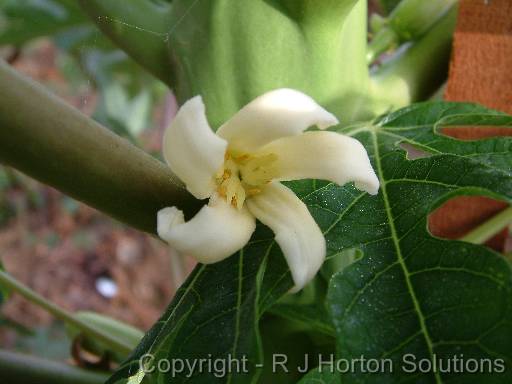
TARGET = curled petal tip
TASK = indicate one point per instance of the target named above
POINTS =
(369, 184)
(167, 219)
(217, 231)
(329, 120)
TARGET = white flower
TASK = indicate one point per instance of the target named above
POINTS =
(239, 169)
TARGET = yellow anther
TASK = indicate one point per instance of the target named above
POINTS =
(226, 175)
(243, 175)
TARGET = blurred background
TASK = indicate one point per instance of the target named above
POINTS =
(65, 250)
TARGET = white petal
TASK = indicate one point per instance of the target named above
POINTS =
(296, 231)
(326, 156)
(217, 231)
(279, 113)
(192, 150)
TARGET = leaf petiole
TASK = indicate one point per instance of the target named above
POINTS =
(115, 344)
(488, 229)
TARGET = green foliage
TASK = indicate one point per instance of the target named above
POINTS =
(403, 291)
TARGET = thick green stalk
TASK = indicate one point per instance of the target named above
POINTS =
(233, 51)
(413, 18)
(54, 143)
(491, 227)
(419, 71)
(117, 345)
(139, 27)
(22, 369)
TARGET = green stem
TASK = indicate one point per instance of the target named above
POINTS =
(140, 28)
(490, 228)
(54, 143)
(419, 71)
(409, 21)
(22, 369)
(115, 344)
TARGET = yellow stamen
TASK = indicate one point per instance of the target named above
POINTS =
(226, 175)
(244, 175)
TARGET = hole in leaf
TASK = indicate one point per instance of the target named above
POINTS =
(470, 133)
(413, 152)
(460, 215)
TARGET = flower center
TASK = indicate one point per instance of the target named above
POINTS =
(244, 175)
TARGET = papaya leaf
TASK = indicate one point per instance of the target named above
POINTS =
(412, 296)
(402, 291)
